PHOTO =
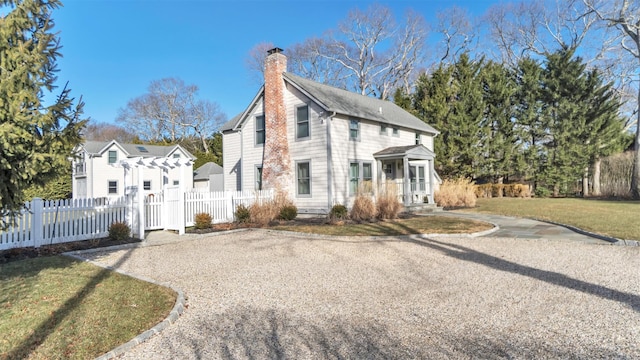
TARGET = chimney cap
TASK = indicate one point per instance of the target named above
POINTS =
(275, 50)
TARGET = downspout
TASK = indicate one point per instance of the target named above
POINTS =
(329, 164)
(239, 176)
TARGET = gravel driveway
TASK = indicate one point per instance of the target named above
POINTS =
(263, 294)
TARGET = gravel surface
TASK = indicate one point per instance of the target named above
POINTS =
(261, 294)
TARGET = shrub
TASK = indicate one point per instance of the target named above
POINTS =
(363, 209)
(203, 220)
(542, 192)
(119, 231)
(517, 190)
(263, 213)
(497, 190)
(338, 212)
(456, 193)
(288, 212)
(387, 204)
(242, 214)
(483, 191)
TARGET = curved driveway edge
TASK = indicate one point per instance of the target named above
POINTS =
(526, 228)
(178, 307)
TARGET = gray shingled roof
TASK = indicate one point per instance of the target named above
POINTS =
(204, 171)
(351, 104)
(356, 105)
(134, 150)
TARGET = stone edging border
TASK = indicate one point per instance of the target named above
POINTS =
(612, 240)
(174, 315)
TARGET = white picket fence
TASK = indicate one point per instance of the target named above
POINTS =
(59, 221)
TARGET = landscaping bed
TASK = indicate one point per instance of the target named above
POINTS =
(54, 249)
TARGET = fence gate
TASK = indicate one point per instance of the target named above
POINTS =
(173, 209)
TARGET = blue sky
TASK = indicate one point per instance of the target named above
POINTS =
(113, 49)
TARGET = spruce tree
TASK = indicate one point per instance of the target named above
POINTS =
(582, 114)
(35, 139)
(500, 145)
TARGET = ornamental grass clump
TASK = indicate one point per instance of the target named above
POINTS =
(456, 193)
(387, 204)
(363, 209)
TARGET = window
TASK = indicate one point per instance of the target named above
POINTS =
(354, 177)
(142, 149)
(146, 185)
(418, 139)
(360, 177)
(258, 177)
(112, 187)
(395, 131)
(176, 182)
(302, 122)
(260, 129)
(383, 129)
(176, 156)
(354, 130)
(113, 156)
(303, 174)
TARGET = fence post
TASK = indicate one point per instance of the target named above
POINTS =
(229, 207)
(37, 205)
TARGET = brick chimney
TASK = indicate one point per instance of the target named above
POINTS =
(276, 163)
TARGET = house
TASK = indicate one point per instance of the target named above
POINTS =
(319, 144)
(208, 177)
(112, 169)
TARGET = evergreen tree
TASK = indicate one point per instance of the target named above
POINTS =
(582, 115)
(500, 145)
(35, 140)
(465, 120)
(531, 125)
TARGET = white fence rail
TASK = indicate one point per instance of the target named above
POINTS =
(59, 221)
(221, 205)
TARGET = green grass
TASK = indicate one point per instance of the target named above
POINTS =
(416, 225)
(607, 217)
(56, 307)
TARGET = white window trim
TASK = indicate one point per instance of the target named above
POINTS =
(255, 175)
(360, 174)
(308, 161)
(395, 131)
(295, 115)
(109, 187)
(359, 130)
(384, 129)
(255, 129)
(109, 156)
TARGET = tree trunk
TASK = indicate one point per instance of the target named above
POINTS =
(596, 177)
(585, 183)
(556, 190)
(635, 176)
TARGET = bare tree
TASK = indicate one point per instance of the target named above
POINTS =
(624, 15)
(254, 62)
(539, 27)
(170, 111)
(458, 33)
(368, 53)
(100, 131)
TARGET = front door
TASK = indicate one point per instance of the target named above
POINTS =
(418, 183)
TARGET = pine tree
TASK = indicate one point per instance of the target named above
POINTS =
(582, 115)
(530, 122)
(500, 145)
(35, 140)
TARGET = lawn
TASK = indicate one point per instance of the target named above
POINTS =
(607, 217)
(413, 225)
(58, 307)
